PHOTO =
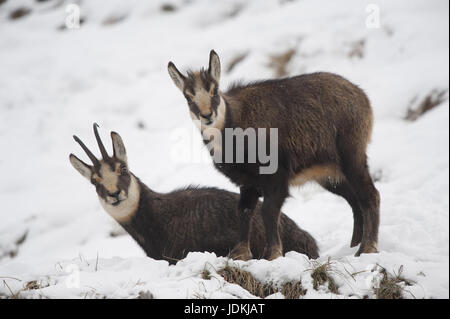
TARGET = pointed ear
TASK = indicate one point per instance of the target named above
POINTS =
(118, 147)
(176, 76)
(214, 66)
(83, 168)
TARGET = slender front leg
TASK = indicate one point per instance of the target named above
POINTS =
(271, 210)
(246, 207)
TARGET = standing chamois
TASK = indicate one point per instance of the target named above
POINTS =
(324, 124)
(168, 226)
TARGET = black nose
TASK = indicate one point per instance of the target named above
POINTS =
(116, 194)
(207, 116)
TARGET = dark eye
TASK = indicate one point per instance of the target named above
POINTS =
(123, 169)
(188, 94)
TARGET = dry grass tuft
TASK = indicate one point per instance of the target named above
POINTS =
(234, 11)
(35, 285)
(293, 290)
(205, 274)
(238, 276)
(114, 19)
(433, 99)
(31, 285)
(19, 13)
(145, 295)
(391, 286)
(168, 7)
(357, 49)
(279, 62)
(321, 274)
(14, 251)
(235, 61)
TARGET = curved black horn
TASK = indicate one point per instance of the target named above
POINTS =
(100, 143)
(92, 157)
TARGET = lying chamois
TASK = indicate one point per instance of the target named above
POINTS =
(168, 226)
(324, 124)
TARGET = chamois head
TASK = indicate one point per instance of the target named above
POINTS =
(110, 176)
(201, 90)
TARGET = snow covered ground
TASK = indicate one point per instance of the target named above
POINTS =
(55, 83)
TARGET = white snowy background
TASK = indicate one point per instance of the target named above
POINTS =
(56, 82)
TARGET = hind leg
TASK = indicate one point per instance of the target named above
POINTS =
(342, 188)
(368, 196)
